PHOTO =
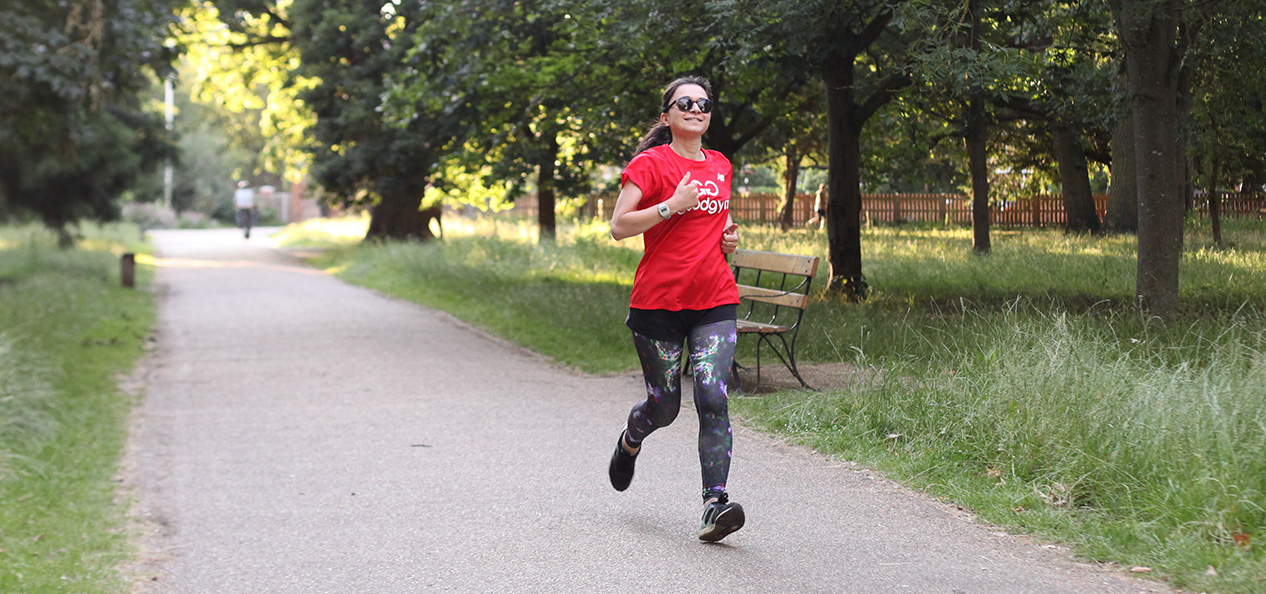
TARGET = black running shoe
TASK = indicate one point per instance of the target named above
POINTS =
(621, 468)
(720, 518)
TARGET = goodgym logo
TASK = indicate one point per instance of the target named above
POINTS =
(708, 192)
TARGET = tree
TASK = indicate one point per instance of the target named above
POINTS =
(551, 88)
(912, 145)
(1062, 96)
(1077, 78)
(358, 155)
(240, 68)
(533, 81)
(1122, 215)
(793, 137)
(860, 59)
(346, 52)
(752, 91)
(1074, 178)
(975, 136)
(806, 140)
(969, 64)
(1228, 99)
(853, 95)
(74, 133)
(1169, 46)
(1155, 39)
(970, 70)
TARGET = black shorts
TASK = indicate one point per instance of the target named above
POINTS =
(664, 324)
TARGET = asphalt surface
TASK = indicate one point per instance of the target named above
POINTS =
(301, 435)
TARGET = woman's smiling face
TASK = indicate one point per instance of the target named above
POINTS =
(692, 121)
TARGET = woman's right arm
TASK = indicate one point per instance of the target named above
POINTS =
(627, 220)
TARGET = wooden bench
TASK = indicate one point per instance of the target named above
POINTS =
(773, 294)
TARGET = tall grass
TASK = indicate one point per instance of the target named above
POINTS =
(67, 329)
(1021, 384)
(25, 403)
(1045, 424)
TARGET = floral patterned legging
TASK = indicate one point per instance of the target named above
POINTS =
(711, 349)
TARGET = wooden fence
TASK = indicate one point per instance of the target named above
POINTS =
(1235, 204)
(952, 209)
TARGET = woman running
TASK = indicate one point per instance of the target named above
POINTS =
(677, 195)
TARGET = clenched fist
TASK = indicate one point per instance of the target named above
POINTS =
(729, 239)
(685, 197)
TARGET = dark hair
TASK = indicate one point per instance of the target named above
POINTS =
(659, 132)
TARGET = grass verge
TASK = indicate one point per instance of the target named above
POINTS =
(1021, 384)
(67, 330)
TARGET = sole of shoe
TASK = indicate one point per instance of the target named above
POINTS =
(726, 524)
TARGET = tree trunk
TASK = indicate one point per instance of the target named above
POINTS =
(545, 216)
(1186, 163)
(843, 210)
(1189, 177)
(1074, 177)
(401, 217)
(1215, 201)
(1122, 215)
(1149, 31)
(790, 177)
(975, 138)
(978, 164)
(845, 119)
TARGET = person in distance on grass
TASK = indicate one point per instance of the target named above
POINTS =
(684, 303)
(819, 209)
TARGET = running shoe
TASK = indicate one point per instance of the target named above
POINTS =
(621, 468)
(720, 518)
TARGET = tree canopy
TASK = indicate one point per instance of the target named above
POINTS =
(74, 130)
(400, 106)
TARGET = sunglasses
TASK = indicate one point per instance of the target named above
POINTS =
(686, 103)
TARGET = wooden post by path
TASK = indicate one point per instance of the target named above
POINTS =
(129, 270)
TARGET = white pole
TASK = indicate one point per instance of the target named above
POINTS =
(168, 99)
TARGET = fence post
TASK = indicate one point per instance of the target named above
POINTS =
(129, 270)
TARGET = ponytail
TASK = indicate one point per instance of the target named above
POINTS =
(659, 134)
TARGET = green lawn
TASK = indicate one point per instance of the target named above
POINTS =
(1021, 384)
(67, 330)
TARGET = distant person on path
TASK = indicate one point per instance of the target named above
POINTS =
(684, 302)
(819, 208)
(244, 203)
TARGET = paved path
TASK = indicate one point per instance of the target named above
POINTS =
(301, 435)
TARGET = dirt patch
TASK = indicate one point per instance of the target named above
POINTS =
(819, 376)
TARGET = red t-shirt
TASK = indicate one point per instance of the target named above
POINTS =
(683, 267)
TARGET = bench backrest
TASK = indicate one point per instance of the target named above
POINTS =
(775, 280)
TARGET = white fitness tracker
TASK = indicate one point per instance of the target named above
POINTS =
(664, 211)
